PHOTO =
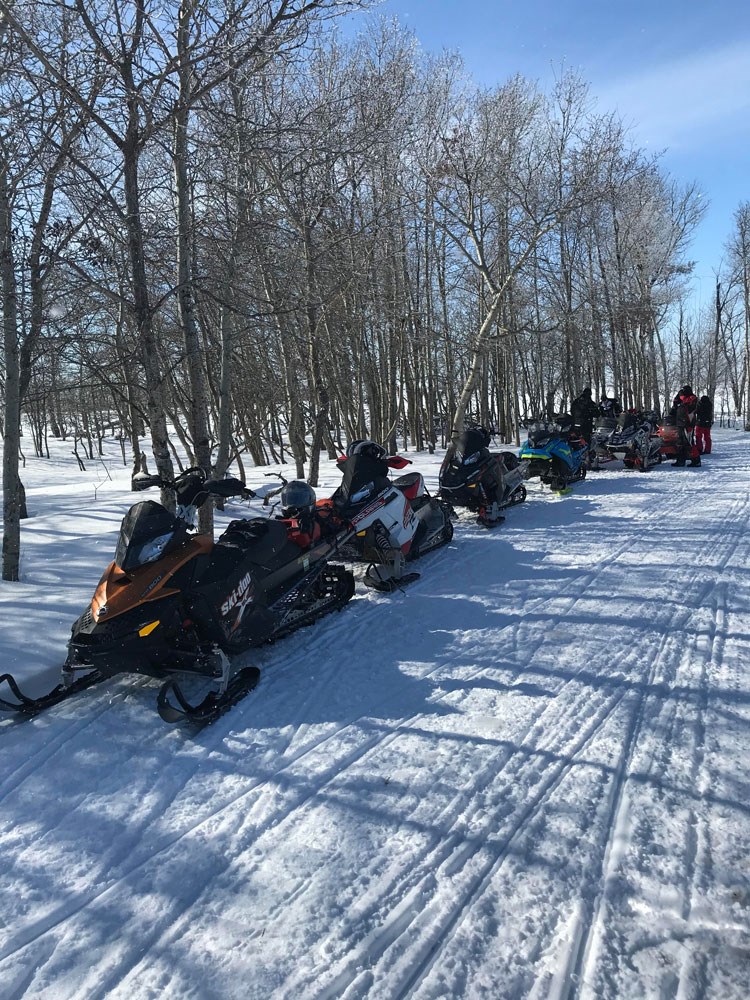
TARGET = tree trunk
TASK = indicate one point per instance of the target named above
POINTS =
(198, 410)
(145, 323)
(12, 409)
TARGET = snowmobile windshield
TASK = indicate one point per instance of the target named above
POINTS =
(146, 530)
(363, 477)
(541, 431)
(606, 423)
(471, 447)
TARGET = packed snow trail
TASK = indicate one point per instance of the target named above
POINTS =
(528, 775)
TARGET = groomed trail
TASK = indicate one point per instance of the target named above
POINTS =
(526, 776)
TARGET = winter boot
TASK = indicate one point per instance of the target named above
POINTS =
(679, 463)
(694, 462)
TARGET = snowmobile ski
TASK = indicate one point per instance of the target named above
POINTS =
(389, 585)
(29, 707)
(212, 706)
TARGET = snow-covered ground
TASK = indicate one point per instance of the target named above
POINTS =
(526, 776)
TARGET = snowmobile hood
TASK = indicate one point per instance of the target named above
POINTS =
(119, 591)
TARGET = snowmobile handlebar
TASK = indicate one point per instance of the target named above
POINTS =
(194, 480)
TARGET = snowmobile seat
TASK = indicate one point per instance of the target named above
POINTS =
(260, 540)
(509, 459)
(411, 485)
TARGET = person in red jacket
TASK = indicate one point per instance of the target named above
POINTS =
(684, 407)
(705, 418)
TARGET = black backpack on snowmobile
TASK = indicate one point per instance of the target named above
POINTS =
(471, 476)
(173, 602)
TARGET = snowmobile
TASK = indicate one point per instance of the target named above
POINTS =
(635, 439)
(555, 452)
(485, 482)
(176, 603)
(393, 521)
(604, 427)
(669, 436)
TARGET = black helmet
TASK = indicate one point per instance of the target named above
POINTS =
(367, 448)
(297, 497)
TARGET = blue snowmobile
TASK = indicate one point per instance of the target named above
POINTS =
(555, 452)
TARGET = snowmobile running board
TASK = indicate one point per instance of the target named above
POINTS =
(212, 706)
(30, 707)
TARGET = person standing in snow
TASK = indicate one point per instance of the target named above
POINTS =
(584, 411)
(704, 420)
(610, 406)
(684, 408)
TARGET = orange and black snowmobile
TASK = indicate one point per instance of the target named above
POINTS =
(175, 603)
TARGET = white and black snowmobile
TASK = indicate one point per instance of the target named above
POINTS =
(636, 441)
(177, 604)
(486, 483)
(393, 521)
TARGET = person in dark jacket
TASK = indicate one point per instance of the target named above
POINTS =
(684, 409)
(584, 411)
(610, 406)
(704, 420)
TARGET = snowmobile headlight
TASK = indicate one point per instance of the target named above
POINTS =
(147, 629)
(151, 550)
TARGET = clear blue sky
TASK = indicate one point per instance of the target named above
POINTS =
(677, 72)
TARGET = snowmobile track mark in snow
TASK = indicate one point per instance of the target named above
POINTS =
(581, 962)
(608, 709)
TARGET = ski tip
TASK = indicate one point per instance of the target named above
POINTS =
(212, 706)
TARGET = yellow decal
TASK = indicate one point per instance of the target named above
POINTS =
(147, 629)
